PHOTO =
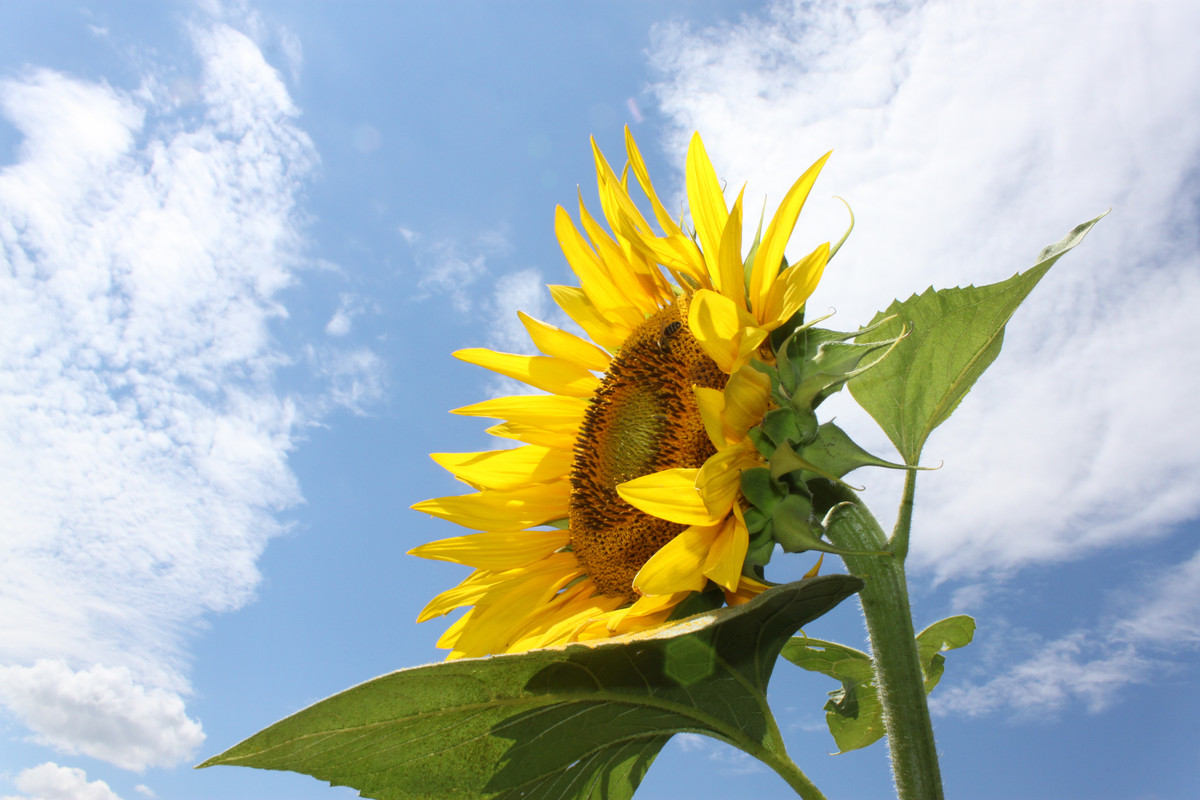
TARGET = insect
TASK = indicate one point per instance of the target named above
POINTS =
(669, 332)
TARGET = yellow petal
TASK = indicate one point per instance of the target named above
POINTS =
(719, 481)
(534, 434)
(646, 612)
(571, 617)
(747, 397)
(499, 618)
(678, 566)
(670, 495)
(643, 178)
(594, 278)
(675, 251)
(614, 198)
(618, 268)
(747, 590)
(727, 553)
(731, 267)
(507, 469)
(770, 250)
(707, 203)
(794, 286)
(495, 550)
(579, 307)
(452, 633)
(711, 403)
(494, 510)
(713, 320)
(466, 593)
(565, 345)
(550, 411)
(542, 372)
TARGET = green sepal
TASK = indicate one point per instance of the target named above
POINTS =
(582, 722)
(786, 462)
(837, 363)
(762, 442)
(760, 490)
(782, 425)
(797, 530)
(853, 713)
(755, 519)
(759, 551)
(834, 453)
(748, 264)
(833, 251)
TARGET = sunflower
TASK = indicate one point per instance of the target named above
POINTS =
(624, 498)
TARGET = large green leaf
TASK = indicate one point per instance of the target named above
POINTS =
(853, 713)
(954, 334)
(583, 721)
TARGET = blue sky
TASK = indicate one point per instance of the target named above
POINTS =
(240, 241)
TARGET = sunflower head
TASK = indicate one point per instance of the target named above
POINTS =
(625, 496)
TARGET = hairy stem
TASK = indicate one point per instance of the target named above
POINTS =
(775, 756)
(884, 599)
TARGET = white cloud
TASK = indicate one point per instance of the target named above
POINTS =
(349, 307)
(967, 137)
(145, 790)
(731, 760)
(1074, 667)
(1032, 676)
(49, 781)
(143, 446)
(449, 267)
(100, 712)
(524, 290)
(354, 379)
(1171, 614)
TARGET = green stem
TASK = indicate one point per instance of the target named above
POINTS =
(884, 599)
(898, 544)
(774, 755)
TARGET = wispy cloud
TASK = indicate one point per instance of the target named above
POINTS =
(967, 137)
(143, 445)
(731, 760)
(49, 781)
(450, 267)
(1031, 675)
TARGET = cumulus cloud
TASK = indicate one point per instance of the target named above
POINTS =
(100, 712)
(143, 444)
(967, 137)
(49, 781)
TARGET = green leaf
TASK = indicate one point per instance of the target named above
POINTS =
(955, 334)
(853, 713)
(948, 634)
(584, 721)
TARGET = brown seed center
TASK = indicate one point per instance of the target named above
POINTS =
(643, 419)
